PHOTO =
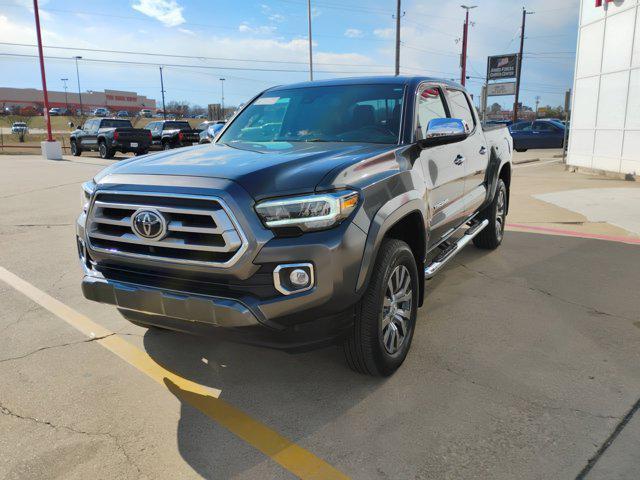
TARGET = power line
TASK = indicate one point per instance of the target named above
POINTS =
(210, 67)
(193, 57)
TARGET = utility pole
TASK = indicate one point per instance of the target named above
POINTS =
(537, 104)
(44, 77)
(222, 97)
(66, 99)
(310, 42)
(164, 110)
(465, 36)
(398, 16)
(519, 72)
(79, 91)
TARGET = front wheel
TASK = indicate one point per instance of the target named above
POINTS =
(75, 149)
(166, 146)
(386, 314)
(496, 213)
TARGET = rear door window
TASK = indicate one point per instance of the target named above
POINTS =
(460, 108)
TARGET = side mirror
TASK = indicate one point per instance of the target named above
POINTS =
(80, 127)
(442, 131)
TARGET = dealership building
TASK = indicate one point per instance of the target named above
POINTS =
(605, 120)
(114, 100)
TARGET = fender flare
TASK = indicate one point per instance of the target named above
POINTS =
(387, 216)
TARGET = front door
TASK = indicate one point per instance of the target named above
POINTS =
(443, 169)
(89, 137)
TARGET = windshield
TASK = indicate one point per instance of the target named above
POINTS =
(175, 125)
(343, 113)
(115, 124)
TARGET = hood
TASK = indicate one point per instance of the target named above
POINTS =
(263, 170)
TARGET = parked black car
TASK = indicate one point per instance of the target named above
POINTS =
(168, 134)
(108, 136)
(538, 134)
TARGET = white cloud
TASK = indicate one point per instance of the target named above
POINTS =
(353, 33)
(186, 31)
(276, 17)
(244, 27)
(384, 32)
(169, 12)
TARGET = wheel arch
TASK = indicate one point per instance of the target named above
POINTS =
(403, 218)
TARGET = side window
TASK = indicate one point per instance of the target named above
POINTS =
(92, 126)
(149, 126)
(461, 109)
(544, 127)
(430, 106)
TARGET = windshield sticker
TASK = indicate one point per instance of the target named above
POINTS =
(266, 101)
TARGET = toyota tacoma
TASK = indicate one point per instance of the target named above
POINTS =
(314, 218)
(108, 136)
(168, 134)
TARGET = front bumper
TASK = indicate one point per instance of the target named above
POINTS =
(235, 302)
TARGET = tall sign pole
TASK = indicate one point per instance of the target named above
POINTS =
(44, 77)
(398, 15)
(519, 72)
(465, 39)
(310, 41)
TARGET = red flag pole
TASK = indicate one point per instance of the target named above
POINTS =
(44, 78)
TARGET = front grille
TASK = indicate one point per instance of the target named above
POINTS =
(199, 230)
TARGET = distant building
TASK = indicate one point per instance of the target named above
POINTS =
(605, 123)
(114, 100)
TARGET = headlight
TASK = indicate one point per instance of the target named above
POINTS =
(85, 194)
(313, 212)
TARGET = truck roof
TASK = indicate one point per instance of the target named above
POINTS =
(401, 80)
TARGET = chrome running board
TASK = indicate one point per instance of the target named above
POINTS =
(453, 249)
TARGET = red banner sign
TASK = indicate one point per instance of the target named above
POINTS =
(600, 2)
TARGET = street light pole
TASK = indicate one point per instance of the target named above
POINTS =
(76, 58)
(398, 16)
(44, 77)
(66, 99)
(222, 97)
(465, 36)
(310, 41)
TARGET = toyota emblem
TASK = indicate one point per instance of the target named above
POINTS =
(149, 224)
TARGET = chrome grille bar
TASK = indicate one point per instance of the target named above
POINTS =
(199, 229)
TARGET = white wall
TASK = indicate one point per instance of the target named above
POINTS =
(605, 123)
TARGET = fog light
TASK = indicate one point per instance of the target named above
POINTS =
(293, 278)
(299, 277)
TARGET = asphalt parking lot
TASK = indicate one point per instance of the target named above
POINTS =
(524, 362)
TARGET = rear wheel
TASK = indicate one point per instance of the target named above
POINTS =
(520, 150)
(386, 315)
(105, 152)
(496, 213)
(141, 152)
(75, 149)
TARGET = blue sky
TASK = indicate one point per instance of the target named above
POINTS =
(244, 40)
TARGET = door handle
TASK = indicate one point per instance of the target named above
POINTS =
(459, 160)
(483, 150)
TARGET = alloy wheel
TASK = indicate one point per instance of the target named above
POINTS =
(500, 213)
(396, 310)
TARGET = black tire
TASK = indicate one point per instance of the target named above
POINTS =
(166, 146)
(520, 149)
(496, 212)
(76, 151)
(141, 152)
(366, 349)
(105, 152)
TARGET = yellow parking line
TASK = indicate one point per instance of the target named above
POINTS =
(283, 451)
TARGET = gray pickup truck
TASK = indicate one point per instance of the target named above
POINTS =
(314, 218)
